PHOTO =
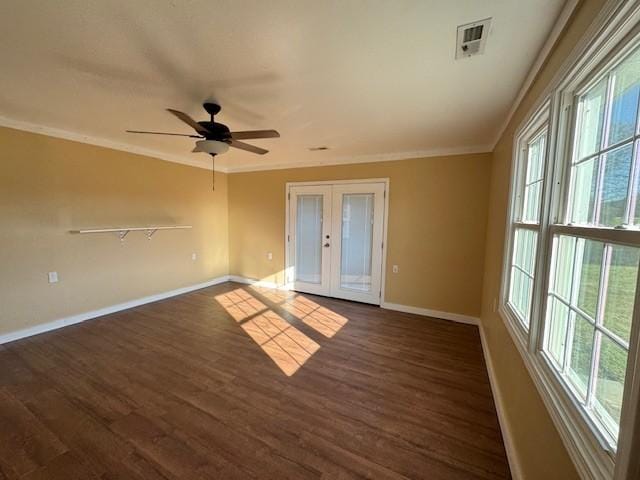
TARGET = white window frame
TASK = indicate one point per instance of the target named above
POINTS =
(537, 124)
(617, 27)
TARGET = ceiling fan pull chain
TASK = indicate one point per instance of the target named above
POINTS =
(213, 172)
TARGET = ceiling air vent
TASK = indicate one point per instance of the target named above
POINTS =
(472, 38)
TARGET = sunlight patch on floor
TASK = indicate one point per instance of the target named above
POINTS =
(240, 304)
(273, 294)
(321, 319)
(287, 346)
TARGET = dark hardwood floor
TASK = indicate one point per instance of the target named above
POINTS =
(237, 382)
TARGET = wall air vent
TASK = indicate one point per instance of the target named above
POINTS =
(472, 38)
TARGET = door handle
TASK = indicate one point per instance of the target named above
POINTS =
(326, 244)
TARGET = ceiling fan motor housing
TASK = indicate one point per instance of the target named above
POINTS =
(216, 131)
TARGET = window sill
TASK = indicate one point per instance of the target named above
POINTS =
(587, 450)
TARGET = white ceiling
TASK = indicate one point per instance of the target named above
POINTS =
(370, 79)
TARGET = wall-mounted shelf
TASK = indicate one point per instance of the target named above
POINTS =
(124, 231)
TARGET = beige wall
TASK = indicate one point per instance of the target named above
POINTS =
(437, 226)
(437, 219)
(49, 186)
(539, 448)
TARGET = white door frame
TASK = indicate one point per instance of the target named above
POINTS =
(288, 273)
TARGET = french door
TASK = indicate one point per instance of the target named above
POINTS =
(335, 240)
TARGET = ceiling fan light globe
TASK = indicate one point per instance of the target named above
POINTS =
(211, 146)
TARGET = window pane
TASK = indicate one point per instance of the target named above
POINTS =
(521, 286)
(617, 169)
(563, 267)
(626, 86)
(357, 241)
(535, 159)
(635, 204)
(581, 351)
(591, 119)
(585, 176)
(520, 294)
(589, 261)
(557, 329)
(309, 239)
(621, 290)
(524, 249)
(610, 382)
(531, 209)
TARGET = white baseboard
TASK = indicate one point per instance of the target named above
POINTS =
(455, 317)
(512, 456)
(81, 317)
(258, 283)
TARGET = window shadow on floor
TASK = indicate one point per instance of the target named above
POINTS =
(286, 345)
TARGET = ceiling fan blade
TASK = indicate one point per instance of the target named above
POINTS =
(189, 121)
(164, 133)
(247, 147)
(254, 134)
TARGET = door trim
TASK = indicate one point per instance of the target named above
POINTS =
(288, 268)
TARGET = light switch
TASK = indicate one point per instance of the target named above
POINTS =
(269, 256)
(53, 277)
(194, 256)
(395, 269)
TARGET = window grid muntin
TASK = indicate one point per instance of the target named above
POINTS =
(632, 194)
(604, 422)
(522, 169)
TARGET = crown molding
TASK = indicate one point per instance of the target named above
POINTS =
(372, 158)
(101, 142)
(556, 31)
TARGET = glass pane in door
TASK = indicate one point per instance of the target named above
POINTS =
(308, 265)
(357, 241)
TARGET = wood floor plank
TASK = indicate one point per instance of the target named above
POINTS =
(25, 443)
(164, 449)
(64, 467)
(185, 388)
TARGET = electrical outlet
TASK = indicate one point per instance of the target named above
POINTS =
(269, 256)
(395, 269)
(194, 256)
(53, 277)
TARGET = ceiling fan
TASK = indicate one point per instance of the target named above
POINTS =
(216, 138)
